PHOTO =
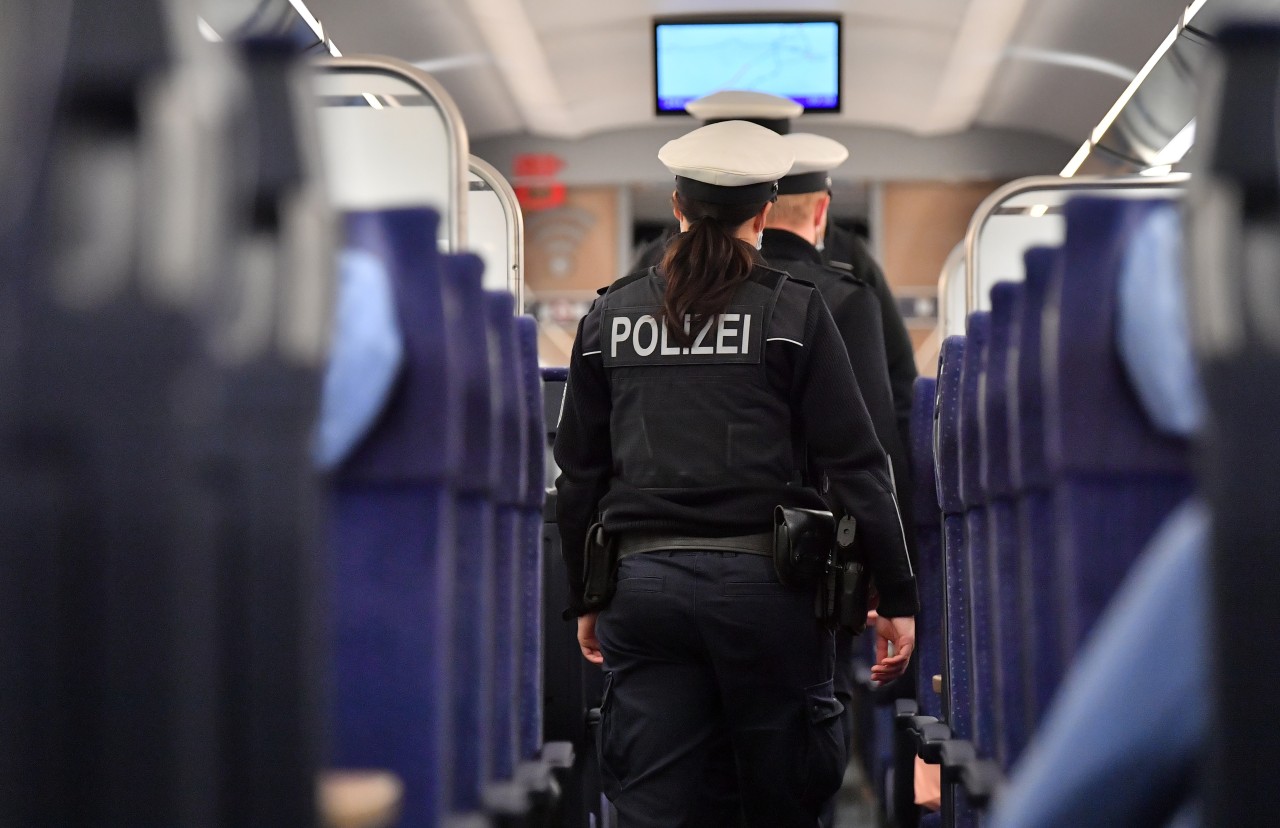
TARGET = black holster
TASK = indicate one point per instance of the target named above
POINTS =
(803, 545)
(599, 569)
(849, 582)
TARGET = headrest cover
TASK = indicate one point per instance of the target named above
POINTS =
(1152, 326)
(733, 162)
(739, 103)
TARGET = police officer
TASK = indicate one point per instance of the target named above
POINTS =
(834, 243)
(696, 392)
(794, 226)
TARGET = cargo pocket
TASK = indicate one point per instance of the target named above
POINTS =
(605, 748)
(826, 757)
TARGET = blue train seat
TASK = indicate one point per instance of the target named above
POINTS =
(473, 610)
(929, 567)
(508, 488)
(529, 685)
(1101, 758)
(1115, 476)
(392, 536)
(1003, 553)
(958, 701)
(1121, 742)
(978, 584)
(1029, 476)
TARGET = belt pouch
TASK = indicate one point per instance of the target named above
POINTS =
(803, 545)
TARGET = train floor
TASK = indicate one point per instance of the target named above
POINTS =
(856, 807)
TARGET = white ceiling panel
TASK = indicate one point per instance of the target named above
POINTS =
(593, 58)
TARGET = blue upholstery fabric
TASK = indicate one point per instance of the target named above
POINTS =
(529, 685)
(365, 357)
(473, 608)
(1115, 476)
(1152, 325)
(1029, 476)
(1004, 554)
(508, 487)
(929, 567)
(1123, 738)
(392, 537)
(981, 611)
(959, 701)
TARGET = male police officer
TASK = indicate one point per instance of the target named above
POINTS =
(834, 243)
(696, 394)
(794, 226)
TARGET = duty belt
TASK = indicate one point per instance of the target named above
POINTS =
(635, 543)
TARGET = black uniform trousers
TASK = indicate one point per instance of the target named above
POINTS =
(704, 646)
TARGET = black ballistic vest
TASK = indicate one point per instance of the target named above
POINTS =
(714, 413)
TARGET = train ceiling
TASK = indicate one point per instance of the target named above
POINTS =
(571, 68)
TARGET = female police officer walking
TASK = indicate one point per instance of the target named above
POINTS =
(698, 393)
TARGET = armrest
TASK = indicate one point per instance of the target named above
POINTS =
(507, 803)
(981, 779)
(558, 755)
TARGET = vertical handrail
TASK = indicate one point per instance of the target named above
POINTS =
(459, 146)
(1043, 183)
(487, 173)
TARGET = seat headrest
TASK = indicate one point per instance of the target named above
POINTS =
(978, 338)
(467, 330)
(535, 426)
(1026, 416)
(946, 426)
(1153, 329)
(366, 356)
(993, 393)
(506, 387)
(926, 478)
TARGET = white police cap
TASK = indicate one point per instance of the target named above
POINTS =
(816, 157)
(744, 105)
(731, 162)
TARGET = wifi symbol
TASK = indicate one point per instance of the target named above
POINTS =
(557, 233)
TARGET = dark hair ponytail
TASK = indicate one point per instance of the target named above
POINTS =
(705, 265)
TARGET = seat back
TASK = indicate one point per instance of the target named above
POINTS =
(473, 610)
(1041, 600)
(508, 486)
(393, 534)
(529, 687)
(958, 699)
(1115, 476)
(929, 566)
(973, 495)
(1003, 554)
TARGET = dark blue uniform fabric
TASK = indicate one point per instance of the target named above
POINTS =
(686, 655)
(703, 441)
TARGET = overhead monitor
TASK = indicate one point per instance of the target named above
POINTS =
(795, 56)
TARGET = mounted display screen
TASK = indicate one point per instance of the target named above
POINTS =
(795, 57)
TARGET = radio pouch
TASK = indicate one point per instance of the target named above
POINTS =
(599, 569)
(803, 545)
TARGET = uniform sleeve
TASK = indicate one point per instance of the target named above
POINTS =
(859, 319)
(584, 455)
(842, 442)
(899, 352)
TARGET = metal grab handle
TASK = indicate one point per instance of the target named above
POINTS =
(1043, 183)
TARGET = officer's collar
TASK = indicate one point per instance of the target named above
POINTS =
(783, 245)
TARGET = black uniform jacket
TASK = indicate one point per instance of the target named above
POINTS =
(704, 440)
(858, 316)
(841, 246)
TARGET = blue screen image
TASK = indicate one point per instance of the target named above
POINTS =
(797, 60)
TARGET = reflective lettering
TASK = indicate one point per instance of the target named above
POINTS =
(621, 330)
(698, 347)
(723, 332)
(746, 333)
(653, 335)
(667, 349)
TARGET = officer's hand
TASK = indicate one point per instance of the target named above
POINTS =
(587, 638)
(901, 632)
